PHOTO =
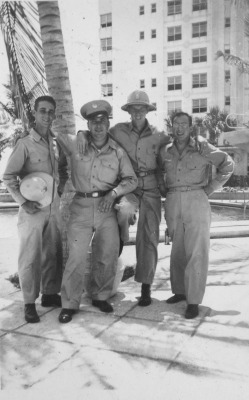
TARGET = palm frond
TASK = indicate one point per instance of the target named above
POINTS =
(230, 59)
(21, 31)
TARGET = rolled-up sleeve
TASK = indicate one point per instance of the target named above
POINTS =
(128, 180)
(223, 163)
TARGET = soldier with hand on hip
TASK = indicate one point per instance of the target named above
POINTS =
(186, 163)
(100, 177)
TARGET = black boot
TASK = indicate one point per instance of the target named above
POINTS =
(145, 299)
(30, 313)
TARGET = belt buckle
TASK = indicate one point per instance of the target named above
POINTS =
(95, 194)
(142, 174)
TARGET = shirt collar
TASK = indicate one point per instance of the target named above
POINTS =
(191, 143)
(109, 143)
(146, 127)
(36, 136)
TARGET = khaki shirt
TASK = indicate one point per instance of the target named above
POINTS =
(34, 154)
(192, 167)
(142, 149)
(100, 169)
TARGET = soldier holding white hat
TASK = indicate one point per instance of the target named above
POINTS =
(142, 142)
(31, 176)
(100, 177)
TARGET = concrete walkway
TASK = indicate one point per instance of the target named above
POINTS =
(147, 353)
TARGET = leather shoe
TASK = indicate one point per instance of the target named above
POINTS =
(51, 300)
(176, 298)
(103, 305)
(66, 315)
(30, 313)
(145, 299)
(192, 311)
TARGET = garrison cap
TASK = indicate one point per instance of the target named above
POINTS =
(95, 109)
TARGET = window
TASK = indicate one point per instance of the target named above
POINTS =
(153, 58)
(142, 83)
(153, 33)
(199, 5)
(199, 29)
(199, 105)
(153, 82)
(227, 22)
(106, 20)
(174, 7)
(106, 90)
(153, 7)
(174, 83)
(174, 58)
(199, 80)
(199, 55)
(106, 66)
(174, 33)
(227, 49)
(227, 101)
(141, 10)
(142, 60)
(141, 35)
(106, 44)
(227, 75)
(174, 106)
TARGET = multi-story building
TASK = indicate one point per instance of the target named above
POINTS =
(168, 48)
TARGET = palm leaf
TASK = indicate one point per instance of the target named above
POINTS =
(21, 31)
(234, 60)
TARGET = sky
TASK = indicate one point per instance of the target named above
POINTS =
(80, 27)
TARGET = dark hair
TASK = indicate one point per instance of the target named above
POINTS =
(180, 114)
(49, 99)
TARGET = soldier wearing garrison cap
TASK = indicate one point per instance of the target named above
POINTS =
(142, 142)
(95, 108)
(100, 177)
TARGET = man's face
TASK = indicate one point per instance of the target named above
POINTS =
(98, 126)
(138, 113)
(181, 128)
(44, 115)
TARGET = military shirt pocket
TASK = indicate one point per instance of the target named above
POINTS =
(36, 158)
(108, 171)
(151, 155)
(196, 168)
(82, 163)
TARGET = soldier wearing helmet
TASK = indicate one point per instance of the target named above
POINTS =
(142, 142)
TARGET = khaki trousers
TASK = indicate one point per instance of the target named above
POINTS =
(188, 218)
(85, 223)
(147, 238)
(40, 252)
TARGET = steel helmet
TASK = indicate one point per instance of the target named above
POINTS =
(138, 98)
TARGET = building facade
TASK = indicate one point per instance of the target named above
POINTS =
(168, 48)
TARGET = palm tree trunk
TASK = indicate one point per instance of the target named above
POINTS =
(58, 83)
(56, 65)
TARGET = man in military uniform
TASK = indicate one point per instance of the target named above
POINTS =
(100, 177)
(40, 250)
(142, 142)
(186, 163)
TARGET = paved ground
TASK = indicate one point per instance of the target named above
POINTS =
(149, 353)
